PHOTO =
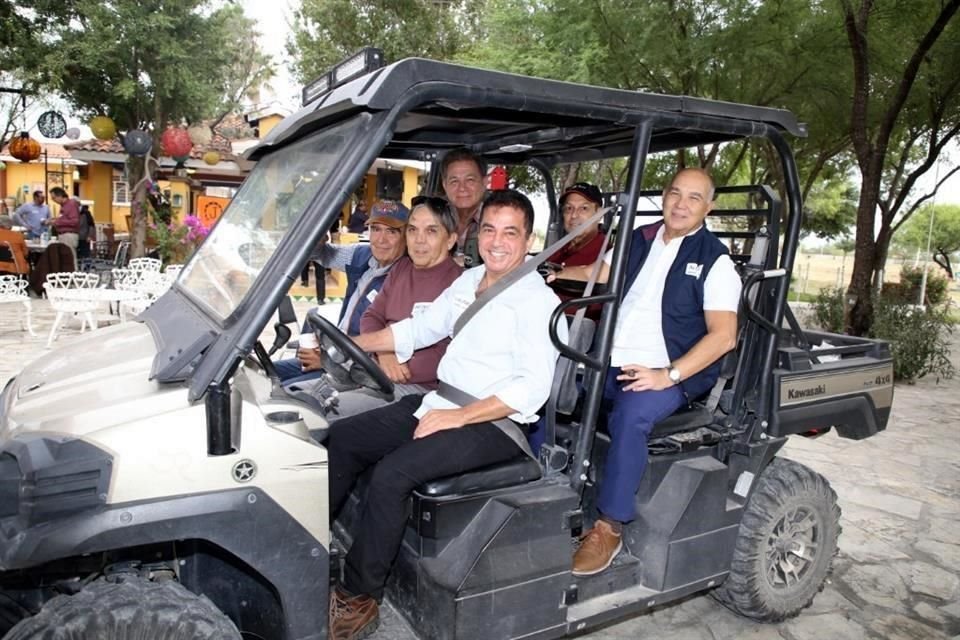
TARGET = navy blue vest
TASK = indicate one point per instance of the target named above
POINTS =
(683, 323)
(358, 265)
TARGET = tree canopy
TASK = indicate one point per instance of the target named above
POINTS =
(146, 64)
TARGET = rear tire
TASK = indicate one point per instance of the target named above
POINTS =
(128, 610)
(785, 546)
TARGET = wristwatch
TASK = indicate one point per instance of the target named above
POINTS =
(674, 374)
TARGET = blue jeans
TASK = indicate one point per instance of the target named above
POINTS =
(290, 372)
(630, 422)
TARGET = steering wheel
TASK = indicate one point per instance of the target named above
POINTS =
(372, 375)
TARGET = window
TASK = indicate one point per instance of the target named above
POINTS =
(121, 192)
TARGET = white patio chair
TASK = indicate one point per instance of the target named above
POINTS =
(148, 283)
(144, 264)
(72, 293)
(14, 289)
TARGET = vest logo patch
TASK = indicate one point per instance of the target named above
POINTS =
(694, 269)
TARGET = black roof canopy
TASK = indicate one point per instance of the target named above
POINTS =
(442, 105)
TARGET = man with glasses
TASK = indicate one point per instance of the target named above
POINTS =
(463, 175)
(577, 204)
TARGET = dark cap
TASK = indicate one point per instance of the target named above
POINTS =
(585, 189)
(389, 212)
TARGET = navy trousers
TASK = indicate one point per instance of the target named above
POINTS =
(630, 421)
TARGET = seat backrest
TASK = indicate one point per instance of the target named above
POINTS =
(12, 289)
(144, 264)
(565, 389)
(56, 258)
(7, 254)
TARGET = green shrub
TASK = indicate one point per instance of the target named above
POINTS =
(907, 291)
(919, 338)
(828, 309)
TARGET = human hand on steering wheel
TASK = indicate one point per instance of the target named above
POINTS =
(372, 376)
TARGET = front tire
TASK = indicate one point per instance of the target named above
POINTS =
(785, 546)
(128, 610)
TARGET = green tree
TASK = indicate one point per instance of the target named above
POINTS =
(146, 64)
(905, 110)
(771, 54)
(327, 31)
(944, 235)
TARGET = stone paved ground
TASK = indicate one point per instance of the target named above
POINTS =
(896, 576)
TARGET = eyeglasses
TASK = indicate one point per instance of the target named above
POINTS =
(584, 209)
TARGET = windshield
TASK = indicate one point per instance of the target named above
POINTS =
(271, 199)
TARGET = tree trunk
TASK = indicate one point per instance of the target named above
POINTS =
(859, 295)
(138, 206)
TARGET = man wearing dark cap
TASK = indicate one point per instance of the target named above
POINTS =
(577, 203)
(366, 266)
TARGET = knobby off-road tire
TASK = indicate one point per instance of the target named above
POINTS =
(785, 546)
(133, 609)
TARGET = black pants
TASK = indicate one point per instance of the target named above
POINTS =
(384, 438)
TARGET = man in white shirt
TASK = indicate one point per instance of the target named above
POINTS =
(503, 356)
(676, 320)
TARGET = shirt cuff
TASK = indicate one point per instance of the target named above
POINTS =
(517, 398)
(402, 340)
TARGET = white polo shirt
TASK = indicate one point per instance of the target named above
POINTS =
(638, 338)
(503, 351)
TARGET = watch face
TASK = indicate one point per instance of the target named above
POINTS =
(674, 374)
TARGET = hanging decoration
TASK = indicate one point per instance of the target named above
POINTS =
(25, 148)
(137, 142)
(200, 135)
(73, 133)
(211, 157)
(51, 124)
(103, 128)
(176, 143)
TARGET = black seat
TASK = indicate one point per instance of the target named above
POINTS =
(519, 470)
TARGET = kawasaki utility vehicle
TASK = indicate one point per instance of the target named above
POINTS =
(156, 481)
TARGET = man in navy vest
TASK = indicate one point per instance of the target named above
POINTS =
(366, 266)
(677, 318)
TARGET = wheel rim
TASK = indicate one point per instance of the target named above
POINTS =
(792, 549)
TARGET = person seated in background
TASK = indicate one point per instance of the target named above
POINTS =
(32, 214)
(413, 284)
(17, 264)
(578, 203)
(358, 219)
(366, 266)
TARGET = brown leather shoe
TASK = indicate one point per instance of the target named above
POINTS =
(598, 548)
(351, 617)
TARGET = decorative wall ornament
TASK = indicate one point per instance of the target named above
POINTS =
(52, 124)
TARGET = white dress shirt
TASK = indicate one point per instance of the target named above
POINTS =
(638, 338)
(503, 351)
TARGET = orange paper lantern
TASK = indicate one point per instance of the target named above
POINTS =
(25, 148)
